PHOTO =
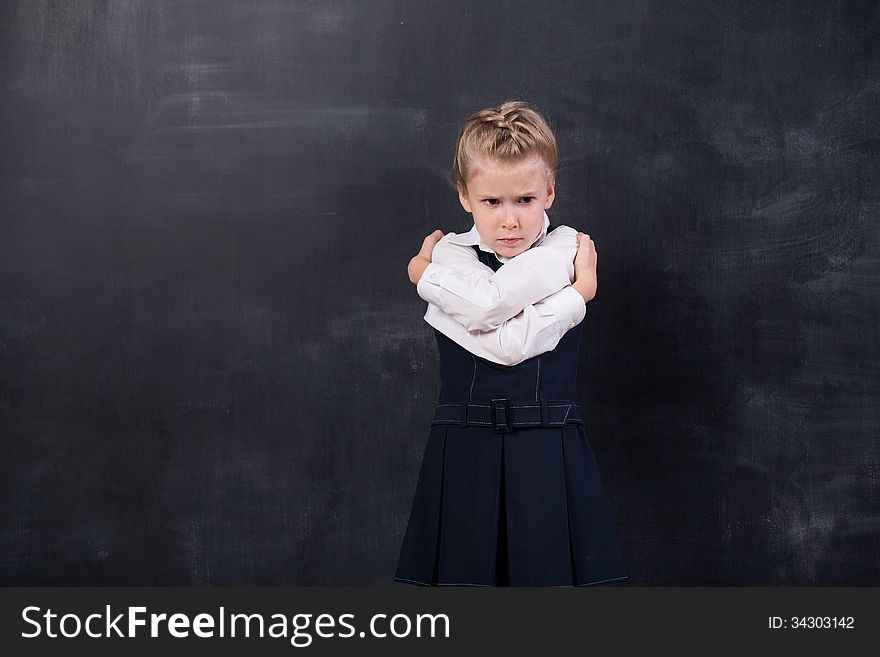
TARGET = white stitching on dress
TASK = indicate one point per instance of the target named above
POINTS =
(415, 581)
(519, 423)
(471, 392)
(538, 378)
(613, 579)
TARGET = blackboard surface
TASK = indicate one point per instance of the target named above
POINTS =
(214, 368)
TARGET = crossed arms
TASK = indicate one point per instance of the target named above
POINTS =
(512, 314)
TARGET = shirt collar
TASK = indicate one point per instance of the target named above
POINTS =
(472, 237)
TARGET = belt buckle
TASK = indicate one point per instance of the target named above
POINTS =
(496, 405)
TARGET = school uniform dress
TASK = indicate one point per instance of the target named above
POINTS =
(509, 493)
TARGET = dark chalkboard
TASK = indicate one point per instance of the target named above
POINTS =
(214, 368)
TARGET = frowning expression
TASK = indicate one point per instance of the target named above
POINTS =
(507, 201)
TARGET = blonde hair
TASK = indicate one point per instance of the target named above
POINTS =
(509, 133)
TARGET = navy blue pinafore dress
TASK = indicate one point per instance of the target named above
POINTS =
(508, 492)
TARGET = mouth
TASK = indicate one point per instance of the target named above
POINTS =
(510, 241)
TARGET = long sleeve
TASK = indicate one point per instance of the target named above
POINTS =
(534, 328)
(537, 328)
(482, 300)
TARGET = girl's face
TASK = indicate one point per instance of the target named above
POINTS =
(507, 200)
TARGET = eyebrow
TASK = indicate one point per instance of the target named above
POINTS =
(517, 195)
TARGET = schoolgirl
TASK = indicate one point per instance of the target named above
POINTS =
(509, 493)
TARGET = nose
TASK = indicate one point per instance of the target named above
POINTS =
(509, 219)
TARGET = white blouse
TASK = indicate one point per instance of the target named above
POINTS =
(507, 316)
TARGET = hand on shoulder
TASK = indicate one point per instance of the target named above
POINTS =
(585, 267)
(422, 259)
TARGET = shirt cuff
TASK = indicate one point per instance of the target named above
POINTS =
(568, 305)
(430, 277)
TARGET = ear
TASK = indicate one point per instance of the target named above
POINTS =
(551, 194)
(462, 198)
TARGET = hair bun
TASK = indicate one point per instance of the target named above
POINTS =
(509, 132)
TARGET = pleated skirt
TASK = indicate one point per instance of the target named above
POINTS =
(524, 508)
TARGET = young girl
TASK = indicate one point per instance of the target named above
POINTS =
(508, 492)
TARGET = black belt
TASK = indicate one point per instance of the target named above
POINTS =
(504, 415)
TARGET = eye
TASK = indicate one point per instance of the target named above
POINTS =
(528, 199)
(491, 201)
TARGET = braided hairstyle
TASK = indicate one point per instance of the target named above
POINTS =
(511, 132)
